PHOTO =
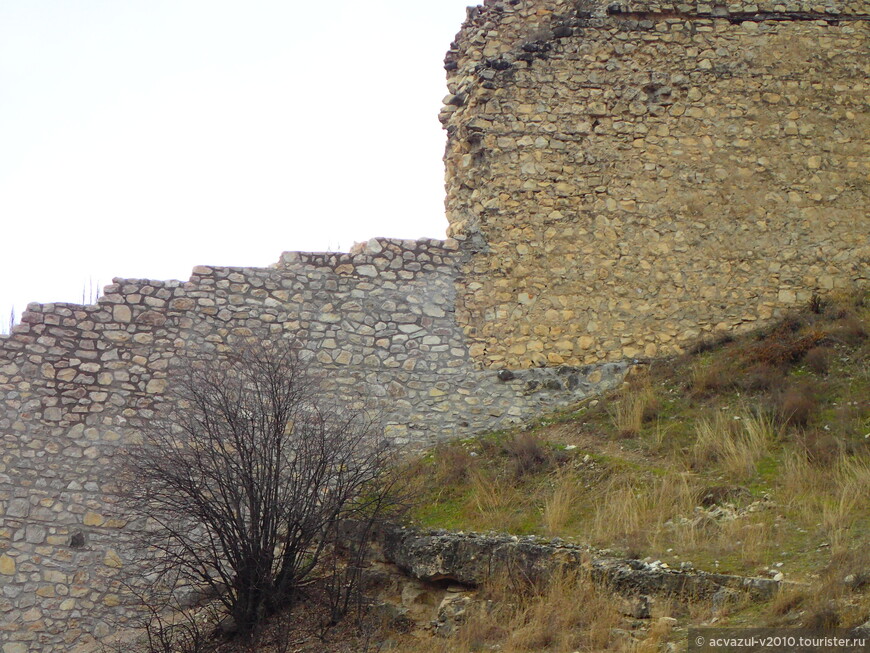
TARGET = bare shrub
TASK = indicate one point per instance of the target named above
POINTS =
(817, 304)
(796, 405)
(91, 291)
(818, 359)
(245, 483)
(783, 347)
(710, 344)
(761, 376)
(453, 464)
(711, 378)
(165, 626)
(851, 332)
(529, 453)
(820, 447)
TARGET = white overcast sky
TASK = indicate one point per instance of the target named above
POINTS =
(139, 138)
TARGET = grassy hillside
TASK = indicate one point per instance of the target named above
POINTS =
(749, 455)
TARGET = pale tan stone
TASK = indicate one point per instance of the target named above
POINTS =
(7, 565)
(156, 386)
(122, 313)
(181, 304)
(324, 357)
(116, 336)
(15, 647)
(54, 576)
(93, 519)
(787, 296)
(67, 374)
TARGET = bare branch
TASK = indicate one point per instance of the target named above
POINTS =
(245, 482)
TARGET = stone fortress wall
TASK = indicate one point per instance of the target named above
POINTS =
(622, 179)
(79, 381)
(632, 176)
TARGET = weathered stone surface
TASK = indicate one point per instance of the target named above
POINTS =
(15, 648)
(622, 180)
(7, 565)
(452, 613)
(93, 519)
(658, 171)
(471, 559)
(398, 343)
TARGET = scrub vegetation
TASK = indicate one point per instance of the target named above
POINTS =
(748, 455)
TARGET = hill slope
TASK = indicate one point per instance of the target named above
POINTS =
(748, 456)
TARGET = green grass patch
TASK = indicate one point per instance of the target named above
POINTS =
(751, 454)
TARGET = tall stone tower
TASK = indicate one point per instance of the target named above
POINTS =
(631, 176)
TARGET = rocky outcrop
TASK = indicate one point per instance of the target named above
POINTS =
(472, 558)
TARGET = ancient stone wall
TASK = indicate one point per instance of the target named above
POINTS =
(632, 176)
(622, 180)
(77, 382)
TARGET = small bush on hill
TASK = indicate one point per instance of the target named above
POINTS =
(528, 453)
(795, 405)
(818, 359)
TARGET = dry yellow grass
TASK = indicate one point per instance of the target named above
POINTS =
(568, 613)
(492, 502)
(734, 443)
(561, 506)
(628, 508)
(834, 498)
(786, 490)
(634, 407)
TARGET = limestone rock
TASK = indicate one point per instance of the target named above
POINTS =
(470, 559)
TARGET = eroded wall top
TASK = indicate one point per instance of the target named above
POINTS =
(78, 383)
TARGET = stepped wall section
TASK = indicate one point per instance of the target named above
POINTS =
(79, 382)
